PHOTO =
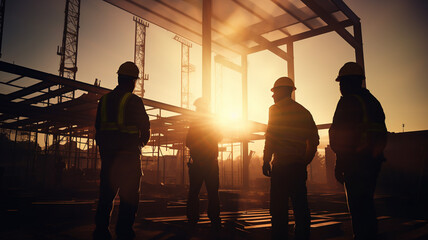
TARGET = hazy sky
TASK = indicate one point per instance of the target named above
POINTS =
(395, 37)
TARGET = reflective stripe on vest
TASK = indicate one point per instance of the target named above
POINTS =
(367, 125)
(119, 125)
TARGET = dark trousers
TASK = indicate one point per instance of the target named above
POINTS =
(120, 172)
(360, 185)
(289, 182)
(198, 174)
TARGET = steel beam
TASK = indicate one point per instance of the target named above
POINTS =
(303, 35)
(225, 62)
(206, 50)
(290, 65)
(327, 17)
(346, 10)
(291, 9)
(245, 157)
(359, 54)
(28, 90)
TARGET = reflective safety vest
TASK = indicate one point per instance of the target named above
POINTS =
(368, 126)
(106, 125)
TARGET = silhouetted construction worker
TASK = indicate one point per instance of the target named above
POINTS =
(202, 141)
(292, 139)
(122, 128)
(358, 137)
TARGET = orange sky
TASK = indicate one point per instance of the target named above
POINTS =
(395, 34)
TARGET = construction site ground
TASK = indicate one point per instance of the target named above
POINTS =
(68, 215)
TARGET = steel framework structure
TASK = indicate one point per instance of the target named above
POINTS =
(67, 127)
(185, 71)
(249, 26)
(70, 39)
(139, 54)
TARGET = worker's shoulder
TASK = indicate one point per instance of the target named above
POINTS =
(350, 100)
(289, 106)
(135, 98)
(299, 106)
(369, 97)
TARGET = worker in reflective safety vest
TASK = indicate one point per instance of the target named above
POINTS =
(122, 128)
(358, 137)
(292, 140)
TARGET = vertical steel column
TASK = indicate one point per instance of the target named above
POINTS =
(359, 54)
(244, 149)
(183, 149)
(87, 154)
(139, 54)
(231, 158)
(2, 7)
(158, 153)
(290, 65)
(36, 153)
(206, 49)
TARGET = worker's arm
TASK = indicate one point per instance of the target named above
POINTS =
(140, 118)
(190, 136)
(345, 131)
(312, 141)
(268, 149)
(145, 124)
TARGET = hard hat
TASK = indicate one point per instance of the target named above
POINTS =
(200, 102)
(350, 69)
(283, 82)
(129, 69)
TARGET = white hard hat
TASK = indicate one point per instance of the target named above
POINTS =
(283, 82)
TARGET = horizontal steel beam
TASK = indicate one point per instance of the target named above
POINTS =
(304, 35)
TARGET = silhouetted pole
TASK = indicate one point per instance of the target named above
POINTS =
(290, 65)
(245, 157)
(206, 50)
(359, 55)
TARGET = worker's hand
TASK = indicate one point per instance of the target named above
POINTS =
(267, 169)
(339, 175)
(190, 162)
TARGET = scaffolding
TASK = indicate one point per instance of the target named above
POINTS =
(249, 27)
(139, 54)
(185, 70)
(64, 131)
(66, 127)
